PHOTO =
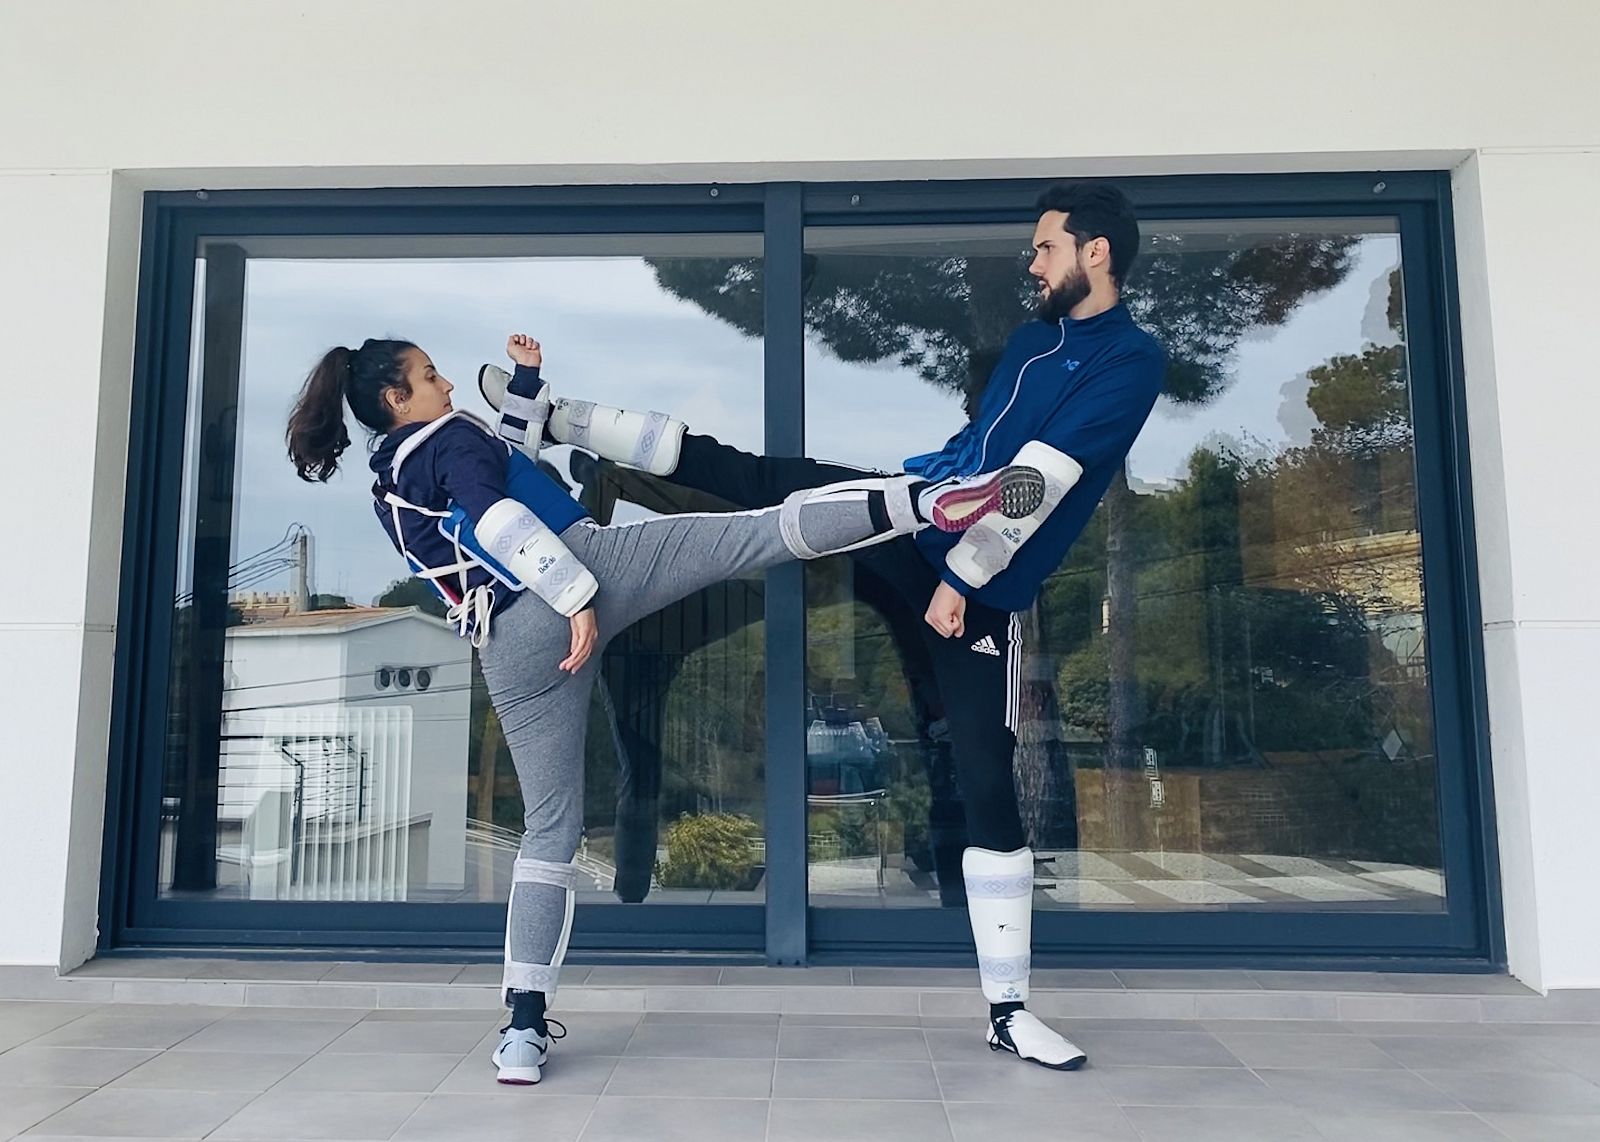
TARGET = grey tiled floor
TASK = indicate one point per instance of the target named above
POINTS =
(126, 1071)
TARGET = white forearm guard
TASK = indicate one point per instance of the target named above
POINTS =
(535, 556)
(988, 545)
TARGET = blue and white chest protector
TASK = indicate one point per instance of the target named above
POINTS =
(509, 542)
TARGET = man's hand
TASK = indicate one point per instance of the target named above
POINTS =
(585, 633)
(947, 613)
(524, 350)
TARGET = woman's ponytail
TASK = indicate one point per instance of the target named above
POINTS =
(317, 436)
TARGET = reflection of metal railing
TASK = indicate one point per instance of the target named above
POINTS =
(501, 840)
(319, 800)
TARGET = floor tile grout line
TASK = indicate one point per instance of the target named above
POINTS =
(588, 1119)
(416, 1110)
(1492, 1126)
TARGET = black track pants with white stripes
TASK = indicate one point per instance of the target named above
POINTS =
(978, 675)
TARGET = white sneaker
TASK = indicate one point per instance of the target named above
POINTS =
(520, 1055)
(1026, 1036)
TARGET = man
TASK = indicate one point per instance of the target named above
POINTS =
(1068, 397)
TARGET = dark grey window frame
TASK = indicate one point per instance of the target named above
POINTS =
(1466, 934)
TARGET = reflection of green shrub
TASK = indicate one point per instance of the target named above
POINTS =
(711, 850)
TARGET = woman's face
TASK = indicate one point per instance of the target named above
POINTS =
(429, 398)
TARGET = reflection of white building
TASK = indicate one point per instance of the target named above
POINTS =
(344, 755)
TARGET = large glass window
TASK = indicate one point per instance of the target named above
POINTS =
(1226, 699)
(329, 736)
(1237, 698)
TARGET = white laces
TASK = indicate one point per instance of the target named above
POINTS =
(471, 615)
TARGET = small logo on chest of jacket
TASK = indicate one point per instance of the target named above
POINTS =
(1070, 365)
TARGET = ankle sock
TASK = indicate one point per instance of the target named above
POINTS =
(527, 1011)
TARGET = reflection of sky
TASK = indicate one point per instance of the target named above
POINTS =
(609, 334)
(878, 415)
(613, 335)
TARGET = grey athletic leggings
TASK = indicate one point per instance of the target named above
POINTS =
(641, 567)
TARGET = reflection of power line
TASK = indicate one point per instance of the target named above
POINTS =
(262, 565)
(355, 700)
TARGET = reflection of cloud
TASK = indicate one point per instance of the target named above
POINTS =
(1258, 404)
(1375, 322)
(501, 290)
(874, 416)
(1294, 414)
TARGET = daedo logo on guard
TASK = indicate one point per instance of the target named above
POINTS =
(1012, 534)
(545, 563)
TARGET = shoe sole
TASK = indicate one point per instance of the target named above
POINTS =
(1014, 492)
(517, 1076)
(1069, 1065)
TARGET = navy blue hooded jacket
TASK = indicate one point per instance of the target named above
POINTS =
(459, 461)
(1084, 388)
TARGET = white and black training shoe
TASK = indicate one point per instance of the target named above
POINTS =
(1026, 1036)
(521, 1053)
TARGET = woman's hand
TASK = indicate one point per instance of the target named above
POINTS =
(524, 350)
(585, 633)
(947, 612)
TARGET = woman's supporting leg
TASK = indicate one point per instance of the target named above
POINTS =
(543, 713)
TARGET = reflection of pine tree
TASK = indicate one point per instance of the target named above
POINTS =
(1266, 586)
(948, 318)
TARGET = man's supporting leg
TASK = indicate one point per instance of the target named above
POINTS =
(980, 675)
(885, 579)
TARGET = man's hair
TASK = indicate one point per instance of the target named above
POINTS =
(1095, 210)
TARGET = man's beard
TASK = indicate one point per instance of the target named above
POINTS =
(1056, 303)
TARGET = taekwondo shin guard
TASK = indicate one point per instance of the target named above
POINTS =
(649, 441)
(1000, 906)
(528, 925)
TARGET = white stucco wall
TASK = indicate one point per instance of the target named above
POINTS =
(99, 100)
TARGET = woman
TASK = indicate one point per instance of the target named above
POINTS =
(476, 518)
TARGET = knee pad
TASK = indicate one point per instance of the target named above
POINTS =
(535, 557)
(898, 515)
(1000, 906)
(988, 546)
(524, 975)
(648, 441)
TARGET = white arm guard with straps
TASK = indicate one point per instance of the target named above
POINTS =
(521, 543)
(988, 545)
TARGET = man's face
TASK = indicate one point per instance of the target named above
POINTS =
(1057, 266)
